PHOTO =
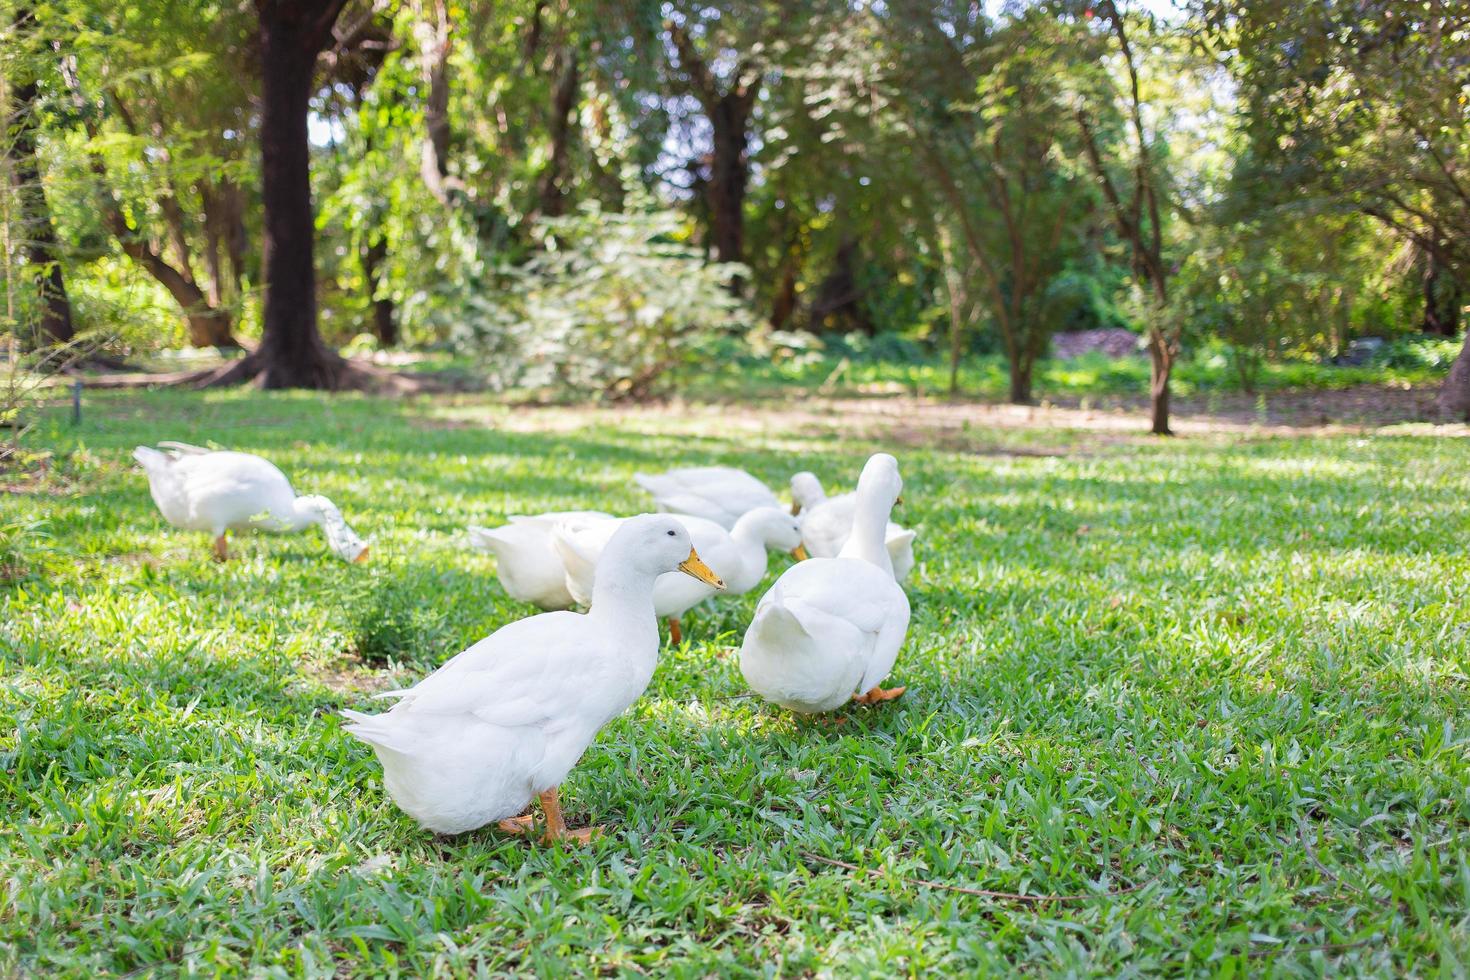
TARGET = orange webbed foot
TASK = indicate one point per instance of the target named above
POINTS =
(878, 694)
(518, 825)
(581, 835)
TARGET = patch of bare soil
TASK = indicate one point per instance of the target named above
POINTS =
(349, 677)
(354, 374)
(1063, 427)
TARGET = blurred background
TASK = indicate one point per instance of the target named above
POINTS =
(1007, 200)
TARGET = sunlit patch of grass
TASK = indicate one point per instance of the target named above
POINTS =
(1090, 375)
(1214, 689)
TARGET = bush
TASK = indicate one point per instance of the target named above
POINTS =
(20, 543)
(1422, 352)
(612, 305)
(391, 623)
(883, 348)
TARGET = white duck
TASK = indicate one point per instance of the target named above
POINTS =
(829, 630)
(220, 491)
(508, 718)
(716, 493)
(526, 559)
(738, 556)
(826, 524)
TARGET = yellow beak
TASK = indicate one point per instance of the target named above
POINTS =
(800, 553)
(694, 565)
(361, 556)
(795, 507)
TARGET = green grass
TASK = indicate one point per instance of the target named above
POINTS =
(986, 377)
(1217, 687)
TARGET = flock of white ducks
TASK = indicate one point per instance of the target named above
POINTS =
(506, 720)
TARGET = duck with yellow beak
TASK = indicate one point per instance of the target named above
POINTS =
(507, 719)
(738, 556)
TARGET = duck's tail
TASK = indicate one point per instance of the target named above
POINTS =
(487, 538)
(779, 624)
(152, 461)
(580, 566)
(375, 730)
(897, 541)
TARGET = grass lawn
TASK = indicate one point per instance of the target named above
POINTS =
(1211, 691)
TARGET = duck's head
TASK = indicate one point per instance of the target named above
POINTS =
(775, 529)
(343, 541)
(654, 544)
(806, 491)
(880, 481)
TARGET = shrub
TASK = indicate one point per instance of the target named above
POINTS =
(612, 305)
(1422, 352)
(20, 543)
(390, 622)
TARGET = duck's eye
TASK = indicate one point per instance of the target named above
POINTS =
(671, 534)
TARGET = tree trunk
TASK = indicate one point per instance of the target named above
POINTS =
(433, 32)
(37, 232)
(291, 352)
(224, 232)
(1454, 396)
(554, 191)
(213, 264)
(1020, 381)
(727, 179)
(212, 329)
(728, 114)
(232, 229)
(838, 299)
(954, 287)
(208, 327)
(784, 302)
(384, 325)
(1161, 364)
(1442, 299)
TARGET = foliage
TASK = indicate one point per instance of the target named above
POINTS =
(919, 173)
(1205, 370)
(1250, 713)
(1417, 353)
(20, 541)
(1267, 291)
(389, 624)
(612, 305)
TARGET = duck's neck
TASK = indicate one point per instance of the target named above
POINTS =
(869, 525)
(305, 512)
(621, 593)
(751, 548)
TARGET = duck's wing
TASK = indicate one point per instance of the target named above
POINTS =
(552, 517)
(828, 526)
(527, 673)
(693, 504)
(482, 537)
(702, 481)
(856, 594)
(891, 632)
(899, 541)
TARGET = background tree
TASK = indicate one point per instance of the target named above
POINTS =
(23, 65)
(1364, 103)
(1135, 192)
(700, 45)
